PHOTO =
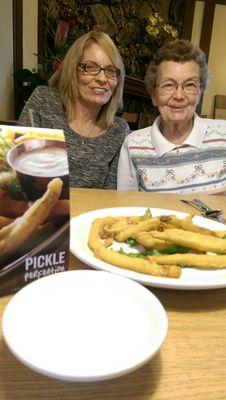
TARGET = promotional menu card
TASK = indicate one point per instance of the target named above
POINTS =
(34, 205)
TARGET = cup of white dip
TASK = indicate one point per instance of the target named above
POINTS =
(36, 162)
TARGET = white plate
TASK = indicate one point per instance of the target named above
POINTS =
(190, 278)
(84, 325)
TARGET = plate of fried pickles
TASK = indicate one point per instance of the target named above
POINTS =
(155, 247)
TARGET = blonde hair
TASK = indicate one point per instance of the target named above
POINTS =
(65, 80)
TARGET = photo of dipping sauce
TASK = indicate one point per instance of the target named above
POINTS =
(36, 162)
(48, 161)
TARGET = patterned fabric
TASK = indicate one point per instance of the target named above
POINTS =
(92, 161)
(148, 162)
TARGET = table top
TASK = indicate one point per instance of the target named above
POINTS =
(191, 363)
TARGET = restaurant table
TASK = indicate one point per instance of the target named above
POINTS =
(191, 364)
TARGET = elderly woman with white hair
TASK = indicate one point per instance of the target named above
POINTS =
(180, 152)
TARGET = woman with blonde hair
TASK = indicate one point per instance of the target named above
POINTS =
(82, 98)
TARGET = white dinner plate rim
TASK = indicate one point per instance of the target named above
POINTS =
(134, 288)
(88, 258)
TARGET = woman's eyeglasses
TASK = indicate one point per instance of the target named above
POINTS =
(95, 69)
(187, 87)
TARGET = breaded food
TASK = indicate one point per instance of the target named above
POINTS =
(130, 232)
(158, 233)
(136, 264)
(193, 240)
(149, 242)
(184, 223)
(15, 234)
(206, 261)
(94, 240)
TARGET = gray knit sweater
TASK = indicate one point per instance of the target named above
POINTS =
(92, 161)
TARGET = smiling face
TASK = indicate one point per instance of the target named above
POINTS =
(95, 90)
(177, 107)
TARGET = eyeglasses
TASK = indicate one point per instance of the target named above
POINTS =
(94, 69)
(187, 87)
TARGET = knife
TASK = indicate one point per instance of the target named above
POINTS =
(206, 210)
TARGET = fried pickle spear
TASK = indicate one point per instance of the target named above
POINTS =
(193, 240)
(221, 234)
(205, 261)
(98, 224)
(130, 232)
(100, 251)
(136, 264)
(116, 226)
(120, 224)
(171, 221)
(158, 233)
(149, 242)
(15, 234)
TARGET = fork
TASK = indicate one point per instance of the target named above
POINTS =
(206, 211)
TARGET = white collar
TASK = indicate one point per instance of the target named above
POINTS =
(163, 146)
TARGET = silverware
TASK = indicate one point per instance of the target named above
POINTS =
(205, 210)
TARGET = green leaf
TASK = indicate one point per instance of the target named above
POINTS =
(148, 212)
(16, 190)
(153, 252)
(131, 242)
(185, 266)
(175, 249)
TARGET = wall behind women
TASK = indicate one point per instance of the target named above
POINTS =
(6, 61)
(217, 56)
(30, 31)
(30, 25)
(217, 61)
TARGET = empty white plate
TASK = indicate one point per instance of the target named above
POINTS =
(84, 325)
